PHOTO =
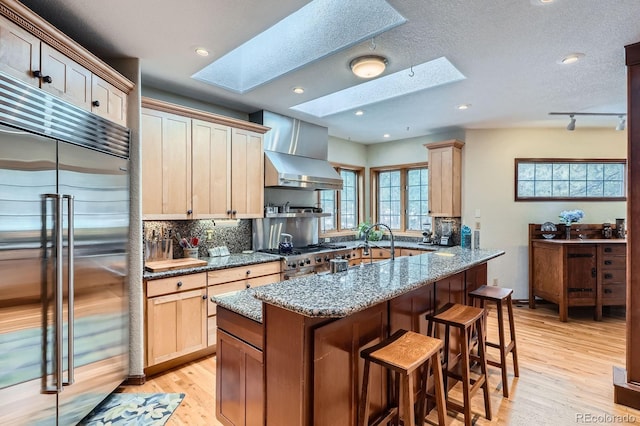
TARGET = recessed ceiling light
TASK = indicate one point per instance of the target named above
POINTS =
(359, 112)
(571, 58)
(541, 2)
(386, 135)
(462, 107)
(202, 51)
(298, 90)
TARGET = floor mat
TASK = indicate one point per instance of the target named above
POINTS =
(140, 409)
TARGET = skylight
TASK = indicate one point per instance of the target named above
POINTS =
(319, 29)
(425, 76)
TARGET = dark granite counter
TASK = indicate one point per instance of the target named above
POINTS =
(214, 263)
(342, 294)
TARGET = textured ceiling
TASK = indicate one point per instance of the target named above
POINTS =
(508, 50)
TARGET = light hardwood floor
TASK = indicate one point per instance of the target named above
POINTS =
(565, 375)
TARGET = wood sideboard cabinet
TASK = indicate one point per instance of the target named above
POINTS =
(577, 272)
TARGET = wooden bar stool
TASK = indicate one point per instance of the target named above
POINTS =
(464, 318)
(500, 296)
(403, 353)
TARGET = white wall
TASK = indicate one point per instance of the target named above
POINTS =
(488, 185)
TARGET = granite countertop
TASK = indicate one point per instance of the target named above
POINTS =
(213, 263)
(342, 294)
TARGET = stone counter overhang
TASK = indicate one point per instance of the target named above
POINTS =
(345, 293)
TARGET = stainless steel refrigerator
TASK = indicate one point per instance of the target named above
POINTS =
(64, 225)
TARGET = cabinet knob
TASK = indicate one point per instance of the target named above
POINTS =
(95, 103)
(248, 271)
(233, 212)
(179, 284)
(228, 211)
(204, 297)
(189, 211)
(45, 78)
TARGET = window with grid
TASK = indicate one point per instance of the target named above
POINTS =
(570, 179)
(342, 205)
(402, 197)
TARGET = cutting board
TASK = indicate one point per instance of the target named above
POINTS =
(171, 264)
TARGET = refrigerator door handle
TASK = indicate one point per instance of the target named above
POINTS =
(57, 295)
(71, 291)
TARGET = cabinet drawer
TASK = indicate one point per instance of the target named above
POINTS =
(175, 284)
(264, 280)
(216, 290)
(614, 262)
(234, 274)
(617, 249)
(614, 276)
(614, 291)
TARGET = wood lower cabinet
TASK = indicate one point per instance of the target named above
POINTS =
(176, 317)
(239, 371)
(578, 273)
(198, 165)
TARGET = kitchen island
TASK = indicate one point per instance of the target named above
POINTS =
(288, 353)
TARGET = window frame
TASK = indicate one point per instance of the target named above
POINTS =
(518, 161)
(359, 171)
(373, 188)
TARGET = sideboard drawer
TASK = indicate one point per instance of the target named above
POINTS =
(615, 249)
(614, 262)
(613, 291)
(614, 276)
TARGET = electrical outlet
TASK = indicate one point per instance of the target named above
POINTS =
(495, 282)
(209, 235)
(327, 239)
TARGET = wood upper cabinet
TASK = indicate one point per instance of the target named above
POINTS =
(67, 79)
(166, 165)
(108, 101)
(19, 52)
(211, 160)
(445, 172)
(176, 317)
(247, 174)
(22, 55)
(195, 168)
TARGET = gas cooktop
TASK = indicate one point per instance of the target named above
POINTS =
(311, 248)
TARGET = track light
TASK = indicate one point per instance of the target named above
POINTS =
(572, 119)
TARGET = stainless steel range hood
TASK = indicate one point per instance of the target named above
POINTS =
(296, 154)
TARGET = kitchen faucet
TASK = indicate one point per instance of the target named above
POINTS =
(366, 239)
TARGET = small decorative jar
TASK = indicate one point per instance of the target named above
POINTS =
(607, 232)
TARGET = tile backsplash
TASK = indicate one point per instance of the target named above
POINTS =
(236, 238)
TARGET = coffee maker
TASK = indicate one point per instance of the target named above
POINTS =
(446, 228)
(426, 233)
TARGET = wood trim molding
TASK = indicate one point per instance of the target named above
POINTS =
(443, 144)
(136, 380)
(159, 105)
(34, 24)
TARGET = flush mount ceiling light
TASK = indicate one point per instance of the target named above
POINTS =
(463, 107)
(572, 120)
(298, 90)
(359, 112)
(368, 66)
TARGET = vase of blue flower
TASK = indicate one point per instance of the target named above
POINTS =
(569, 217)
